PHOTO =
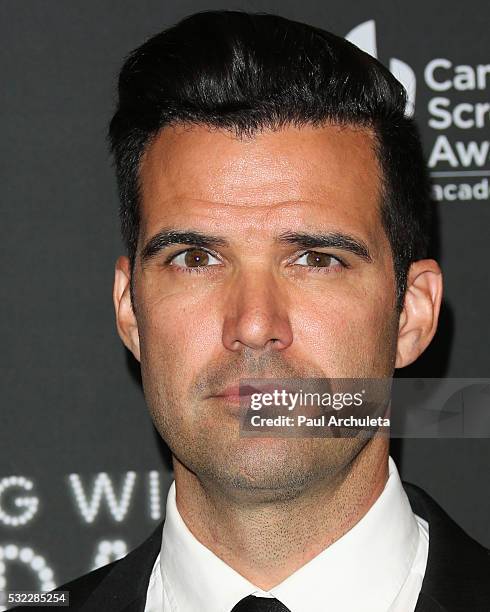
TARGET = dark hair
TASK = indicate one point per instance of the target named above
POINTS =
(245, 72)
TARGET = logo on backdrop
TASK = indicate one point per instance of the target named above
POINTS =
(364, 37)
(101, 498)
(458, 118)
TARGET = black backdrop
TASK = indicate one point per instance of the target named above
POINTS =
(83, 474)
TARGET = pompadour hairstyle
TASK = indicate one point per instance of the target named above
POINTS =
(246, 72)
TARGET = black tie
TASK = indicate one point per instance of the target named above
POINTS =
(259, 604)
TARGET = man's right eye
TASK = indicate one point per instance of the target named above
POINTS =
(194, 258)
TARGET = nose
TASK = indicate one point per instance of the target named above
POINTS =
(256, 313)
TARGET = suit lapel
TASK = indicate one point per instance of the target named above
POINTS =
(138, 605)
(124, 588)
(456, 577)
(427, 600)
(426, 604)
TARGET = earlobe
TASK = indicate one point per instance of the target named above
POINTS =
(420, 315)
(127, 325)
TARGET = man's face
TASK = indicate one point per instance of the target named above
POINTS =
(264, 297)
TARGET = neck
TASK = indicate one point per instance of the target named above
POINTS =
(267, 541)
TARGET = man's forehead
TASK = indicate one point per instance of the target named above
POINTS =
(293, 172)
(214, 164)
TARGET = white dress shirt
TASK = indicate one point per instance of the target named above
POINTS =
(377, 566)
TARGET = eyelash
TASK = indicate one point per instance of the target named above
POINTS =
(205, 269)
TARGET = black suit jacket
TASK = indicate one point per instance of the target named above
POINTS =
(457, 578)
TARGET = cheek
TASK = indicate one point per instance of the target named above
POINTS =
(176, 336)
(346, 337)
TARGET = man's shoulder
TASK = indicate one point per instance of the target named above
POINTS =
(120, 585)
(458, 567)
(80, 588)
(440, 522)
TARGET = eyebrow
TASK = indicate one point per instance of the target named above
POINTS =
(337, 240)
(332, 240)
(165, 238)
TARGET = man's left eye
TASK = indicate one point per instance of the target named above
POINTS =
(194, 258)
(315, 259)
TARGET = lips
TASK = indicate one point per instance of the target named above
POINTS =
(237, 391)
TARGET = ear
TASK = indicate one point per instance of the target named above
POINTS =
(127, 325)
(420, 314)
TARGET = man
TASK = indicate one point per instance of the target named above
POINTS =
(275, 207)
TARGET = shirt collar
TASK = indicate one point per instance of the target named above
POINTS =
(364, 569)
